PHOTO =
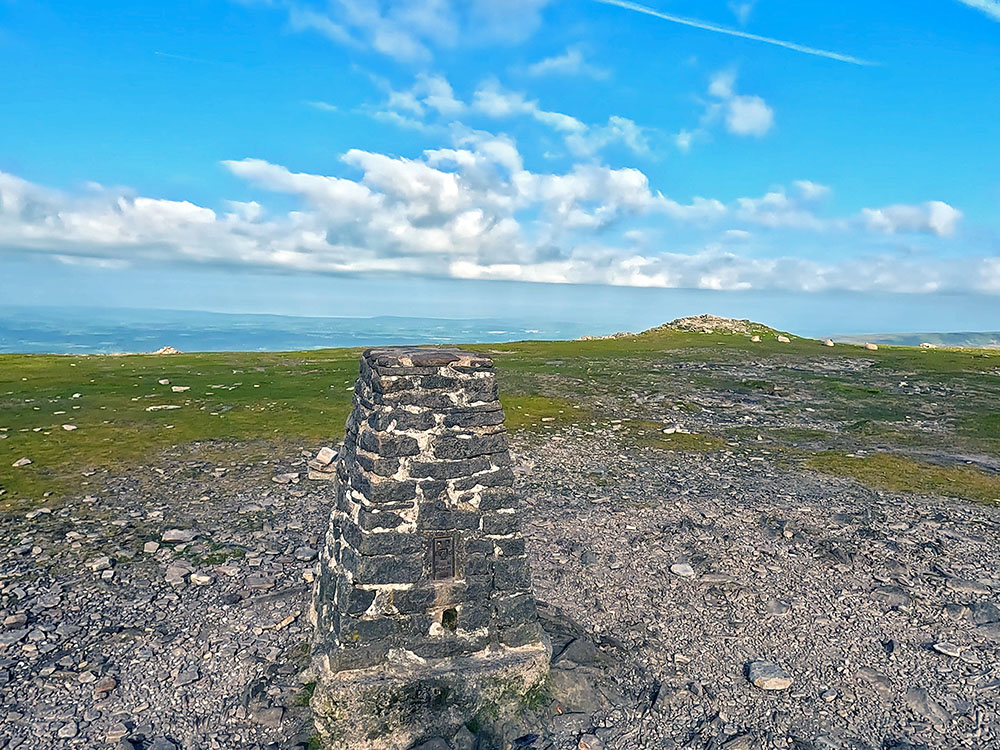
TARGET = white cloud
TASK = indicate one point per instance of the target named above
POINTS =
(742, 10)
(749, 115)
(432, 94)
(722, 84)
(744, 115)
(473, 210)
(409, 30)
(932, 217)
(322, 106)
(811, 191)
(777, 209)
(571, 62)
(989, 7)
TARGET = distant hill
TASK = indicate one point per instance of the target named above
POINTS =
(968, 339)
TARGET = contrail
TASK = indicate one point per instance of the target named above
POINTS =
(735, 32)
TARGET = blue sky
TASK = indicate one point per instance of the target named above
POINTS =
(734, 146)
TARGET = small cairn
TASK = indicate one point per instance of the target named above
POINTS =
(322, 467)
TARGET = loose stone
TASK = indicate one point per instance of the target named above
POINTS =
(947, 648)
(682, 569)
(768, 676)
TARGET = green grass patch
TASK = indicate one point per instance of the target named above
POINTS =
(901, 474)
(539, 412)
(850, 390)
(651, 435)
(305, 695)
(269, 402)
(228, 397)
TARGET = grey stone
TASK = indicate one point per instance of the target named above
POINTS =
(947, 648)
(768, 676)
(683, 570)
(269, 717)
(186, 677)
(919, 701)
(436, 743)
(984, 612)
(181, 536)
(464, 739)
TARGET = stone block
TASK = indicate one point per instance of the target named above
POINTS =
(375, 464)
(468, 446)
(498, 524)
(448, 469)
(511, 574)
(468, 419)
(387, 444)
(498, 478)
(384, 569)
(436, 516)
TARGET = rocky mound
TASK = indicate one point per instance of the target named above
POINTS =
(715, 324)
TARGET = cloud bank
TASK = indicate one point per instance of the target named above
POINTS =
(473, 210)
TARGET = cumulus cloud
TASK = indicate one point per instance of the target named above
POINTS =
(473, 210)
(571, 62)
(744, 115)
(433, 95)
(932, 217)
(780, 209)
(740, 114)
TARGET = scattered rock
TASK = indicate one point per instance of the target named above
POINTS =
(100, 563)
(182, 536)
(947, 648)
(186, 677)
(683, 570)
(768, 676)
(920, 702)
(21, 462)
(269, 717)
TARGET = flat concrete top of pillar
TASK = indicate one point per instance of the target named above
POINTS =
(401, 356)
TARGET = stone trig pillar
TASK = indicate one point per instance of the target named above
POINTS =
(423, 609)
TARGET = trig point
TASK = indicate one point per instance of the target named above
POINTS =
(423, 610)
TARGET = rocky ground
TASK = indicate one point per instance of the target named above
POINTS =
(877, 613)
(721, 597)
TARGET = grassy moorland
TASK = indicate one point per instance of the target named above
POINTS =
(905, 419)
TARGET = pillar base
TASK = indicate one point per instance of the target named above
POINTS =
(407, 700)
